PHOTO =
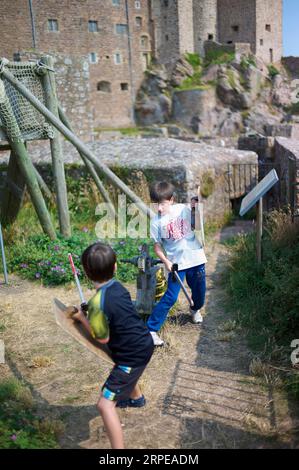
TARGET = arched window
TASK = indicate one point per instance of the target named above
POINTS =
(104, 86)
(144, 41)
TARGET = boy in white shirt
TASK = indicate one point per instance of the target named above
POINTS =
(175, 242)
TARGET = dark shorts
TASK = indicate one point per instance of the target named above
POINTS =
(121, 382)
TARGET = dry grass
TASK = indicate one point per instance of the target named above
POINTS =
(226, 337)
(41, 361)
(283, 231)
(258, 368)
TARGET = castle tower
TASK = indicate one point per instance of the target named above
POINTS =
(258, 22)
(269, 35)
(172, 29)
(204, 23)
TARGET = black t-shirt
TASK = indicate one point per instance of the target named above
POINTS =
(130, 341)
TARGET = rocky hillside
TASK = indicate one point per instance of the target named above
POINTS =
(223, 95)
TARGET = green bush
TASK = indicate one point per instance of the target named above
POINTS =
(246, 61)
(294, 108)
(193, 59)
(20, 428)
(39, 258)
(272, 71)
(265, 297)
(218, 57)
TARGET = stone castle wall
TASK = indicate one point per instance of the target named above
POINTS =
(129, 32)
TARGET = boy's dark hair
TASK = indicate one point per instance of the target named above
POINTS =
(162, 191)
(98, 261)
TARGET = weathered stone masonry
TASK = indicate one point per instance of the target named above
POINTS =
(119, 37)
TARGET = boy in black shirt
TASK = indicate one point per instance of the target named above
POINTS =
(112, 319)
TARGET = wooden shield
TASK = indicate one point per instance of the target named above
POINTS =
(78, 332)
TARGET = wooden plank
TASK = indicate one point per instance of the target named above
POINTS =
(77, 331)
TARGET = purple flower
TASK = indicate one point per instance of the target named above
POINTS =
(13, 437)
(37, 275)
(85, 230)
(49, 263)
(24, 265)
(56, 247)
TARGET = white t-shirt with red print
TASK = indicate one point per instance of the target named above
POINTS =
(173, 231)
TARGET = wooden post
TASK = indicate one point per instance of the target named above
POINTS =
(49, 87)
(89, 165)
(3, 257)
(43, 186)
(259, 230)
(24, 163)
(76, 142)
(13, 193)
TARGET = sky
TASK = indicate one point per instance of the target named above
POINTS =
(291, 28)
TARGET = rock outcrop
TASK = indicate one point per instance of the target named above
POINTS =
(219, 99)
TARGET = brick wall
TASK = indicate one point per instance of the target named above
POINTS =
(74, 38)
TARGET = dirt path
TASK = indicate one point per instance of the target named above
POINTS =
(199, 390)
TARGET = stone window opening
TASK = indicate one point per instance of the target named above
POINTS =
(271, 55)
(121, 28)
(138, 21)
(210, 37)
(166, 3)
(93, 26)
(235, 28)
(93, 57)
(145, 60)
(261, 42)
(144, 41)
(107, 56)
(229, 42)
(268, 28)
(137, 5)
(117, 58)
(104, 86)
(166, 37)
(52, 25)
(116, 3)
(124, 86)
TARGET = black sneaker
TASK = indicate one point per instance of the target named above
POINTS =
(131, 403)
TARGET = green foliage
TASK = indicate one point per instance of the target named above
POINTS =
(231, 79)
(218, 57)
(294, 108)
(193, 59)
(265, 297)
(247, 61)
(272, 71)
(39, 258)
(20, 428)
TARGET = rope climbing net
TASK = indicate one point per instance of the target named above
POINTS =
(32, 124)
